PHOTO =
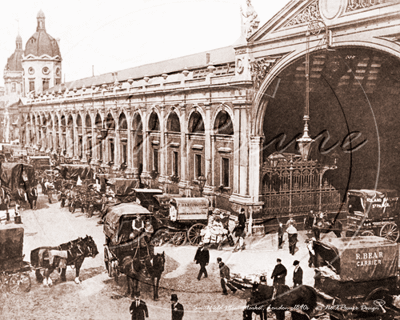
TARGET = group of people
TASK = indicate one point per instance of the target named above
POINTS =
(139, 311)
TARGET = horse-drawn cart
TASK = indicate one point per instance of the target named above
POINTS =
(14, 272)
(373, 212)
(118, 230)
(357, 277)
(128, 250)
(187, 217)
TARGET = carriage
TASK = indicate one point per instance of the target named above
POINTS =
(14, 272)
(118, 229)
(373, 212)
(357, 277)
(189, 216)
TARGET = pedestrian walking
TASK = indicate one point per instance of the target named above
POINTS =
(224, 273)
(297, 274)
(292, 238)
(312, 261)
(279, 273)
(138, 308)
(239, 231)
(176, 308)
(280, 235)
(202, 258)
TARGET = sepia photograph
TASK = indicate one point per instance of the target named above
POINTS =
(200, 159)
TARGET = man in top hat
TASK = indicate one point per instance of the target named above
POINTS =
(176, 308)
(138, 308)
(297, 274)
(202, 258)
(239, 230)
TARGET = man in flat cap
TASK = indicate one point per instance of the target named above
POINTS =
(176, 308)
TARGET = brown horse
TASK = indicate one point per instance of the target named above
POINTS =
(74, 252)
(300, 301)
(135, 270)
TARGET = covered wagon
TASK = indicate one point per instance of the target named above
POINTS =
(359, 273)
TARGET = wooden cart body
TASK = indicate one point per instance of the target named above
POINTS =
(373, 212)
(354, 272)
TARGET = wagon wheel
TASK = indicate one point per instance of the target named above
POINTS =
(193, 233)
(20, 282)
(390, 231)
(160, 238)
(179, 238)
(367, 233)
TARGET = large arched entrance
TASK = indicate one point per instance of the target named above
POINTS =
(354, 116)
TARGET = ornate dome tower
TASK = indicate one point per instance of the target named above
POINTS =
(42, 59)
(13, 71)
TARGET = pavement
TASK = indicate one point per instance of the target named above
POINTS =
(95, 297)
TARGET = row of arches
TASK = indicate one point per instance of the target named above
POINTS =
(223, 122)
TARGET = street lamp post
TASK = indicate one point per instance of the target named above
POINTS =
(202, 181)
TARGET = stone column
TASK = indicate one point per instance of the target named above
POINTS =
(255, 162)
(84, 141)
(236, 145)
(146, 147)
(129, 146)
(163, 147)
(183, 183)
(75, 138)
(54, 134)
(244, 152)
(207, 146)
(117, 147)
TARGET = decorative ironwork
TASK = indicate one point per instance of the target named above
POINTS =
(260, 68)
(362, 4)
(291, 185)
(310, 13)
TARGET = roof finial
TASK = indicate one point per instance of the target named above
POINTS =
(40, 21)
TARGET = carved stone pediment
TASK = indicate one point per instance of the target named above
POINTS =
(308, 14)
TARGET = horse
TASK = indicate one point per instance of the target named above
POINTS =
(134, 269)
(301, 301)
(66, 254)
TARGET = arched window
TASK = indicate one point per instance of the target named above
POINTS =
(123, 125)
(70, 121)
(98, 122)
(223, 123)
(110, 123)
(88, 121)
(173, 124)
(196, 124)
(154, 123)
(79, 121)
(137, 123)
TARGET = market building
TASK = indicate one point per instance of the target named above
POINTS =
(223, 114)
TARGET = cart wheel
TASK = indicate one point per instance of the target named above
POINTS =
(193, 233)
(367, 233)
(160, 238)
(390, 231)
(20, 282)
(179, 238)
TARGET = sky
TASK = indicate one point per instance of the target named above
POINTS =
(119, 34)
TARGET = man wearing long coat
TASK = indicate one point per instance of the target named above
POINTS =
(279, 273)
(138, 308)
(202, 258)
